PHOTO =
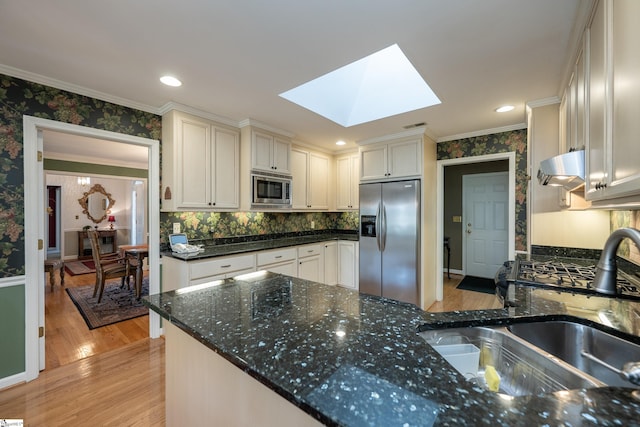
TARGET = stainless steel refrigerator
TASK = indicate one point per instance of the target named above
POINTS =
(390, 240)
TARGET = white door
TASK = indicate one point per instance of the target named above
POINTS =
(486, 222)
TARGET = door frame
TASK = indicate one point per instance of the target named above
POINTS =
(34, 227)
(440, 165)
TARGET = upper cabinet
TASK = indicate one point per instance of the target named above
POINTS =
(613, 108)
(310, 173)
(200, 164)
(347, 181)
(270, 153)
(391, 160)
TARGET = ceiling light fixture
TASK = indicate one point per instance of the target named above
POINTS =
(340, 143)
(170, 81)
(504, 108)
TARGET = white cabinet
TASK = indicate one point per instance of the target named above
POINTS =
(614, 90)
(200, 164)
(201, 271)
(348, 264)
(331, 263)
(311, 262)
(310, 172)
(177, 273)
(281, 261)
(391, 160)
(270, 152)
(347, 181)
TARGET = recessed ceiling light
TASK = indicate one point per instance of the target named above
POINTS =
(504, 108)
(170, 81)
(380, 85)
(340, 143)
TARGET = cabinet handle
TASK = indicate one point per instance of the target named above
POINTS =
(279, 256)
(225, 266)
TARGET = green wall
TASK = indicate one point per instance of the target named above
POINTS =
(12, 327)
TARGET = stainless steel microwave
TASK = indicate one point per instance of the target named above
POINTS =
(270, 190)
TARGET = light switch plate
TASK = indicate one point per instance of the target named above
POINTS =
(176, 227)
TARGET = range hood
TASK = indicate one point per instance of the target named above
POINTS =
(565, 170)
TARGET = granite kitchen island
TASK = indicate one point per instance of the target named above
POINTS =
(268, 349)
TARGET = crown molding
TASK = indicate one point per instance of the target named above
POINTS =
(483, 132)
(264, 126)
(543, 102)
(169, 106)
(80, 90)
(418, 131)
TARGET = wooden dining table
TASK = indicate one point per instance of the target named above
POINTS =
(139, 252)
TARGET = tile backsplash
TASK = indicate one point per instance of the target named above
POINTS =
(207, 225)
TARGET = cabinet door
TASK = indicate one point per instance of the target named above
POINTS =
(226, 181)
(261, 147)
(373, 162)
(194, 159)
(347, 264)
(318, 181)
(355, 182)
(299, 173)
(281, 153)
(597, 84)
(287, 268)
(343, 182)
(309, 268)
(405, 159)
(331, 263)
(624, 178)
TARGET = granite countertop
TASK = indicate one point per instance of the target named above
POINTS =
(352, 359)
(234, 246)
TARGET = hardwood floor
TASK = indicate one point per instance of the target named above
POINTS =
(122, 382)
(455, 299)
(67, 337)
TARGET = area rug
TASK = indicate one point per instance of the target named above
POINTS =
(477, 284)
(116, 306)
(75, 268)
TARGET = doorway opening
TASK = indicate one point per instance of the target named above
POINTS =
(34, 193)
(447, 220)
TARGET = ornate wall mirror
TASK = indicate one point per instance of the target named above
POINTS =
(96, 203)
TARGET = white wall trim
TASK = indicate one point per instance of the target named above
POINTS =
(80, 90)
(12, 380)
(483, 132)
(418, 131)
(7, 282)
(32, 188)
(440, 165)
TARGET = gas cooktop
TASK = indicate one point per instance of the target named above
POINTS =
(564, 275)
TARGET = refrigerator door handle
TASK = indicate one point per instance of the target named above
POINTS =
(383, 231)
(378, 225)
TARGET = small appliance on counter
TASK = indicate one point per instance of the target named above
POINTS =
(558, 275)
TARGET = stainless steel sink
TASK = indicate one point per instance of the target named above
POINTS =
(523, 370)
(588, 349)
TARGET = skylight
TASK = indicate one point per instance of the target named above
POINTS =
(380, 85)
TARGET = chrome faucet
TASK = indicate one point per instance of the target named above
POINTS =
(607, 269)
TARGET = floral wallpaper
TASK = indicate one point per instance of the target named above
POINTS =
(208, 225)
(498, 143)
(18, 98)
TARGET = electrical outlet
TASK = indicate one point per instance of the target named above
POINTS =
(313, 225)
(176, 227)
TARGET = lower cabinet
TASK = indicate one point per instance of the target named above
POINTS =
(311, 262)
(332, 263)
(348, 264)
(282, 261)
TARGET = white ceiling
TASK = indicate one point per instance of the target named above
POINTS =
(235, 57)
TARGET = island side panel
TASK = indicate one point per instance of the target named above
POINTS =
(204, 389)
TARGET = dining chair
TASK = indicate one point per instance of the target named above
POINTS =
(108, 266)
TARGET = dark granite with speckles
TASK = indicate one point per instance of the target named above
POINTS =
(239, 245)
(351, 359)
